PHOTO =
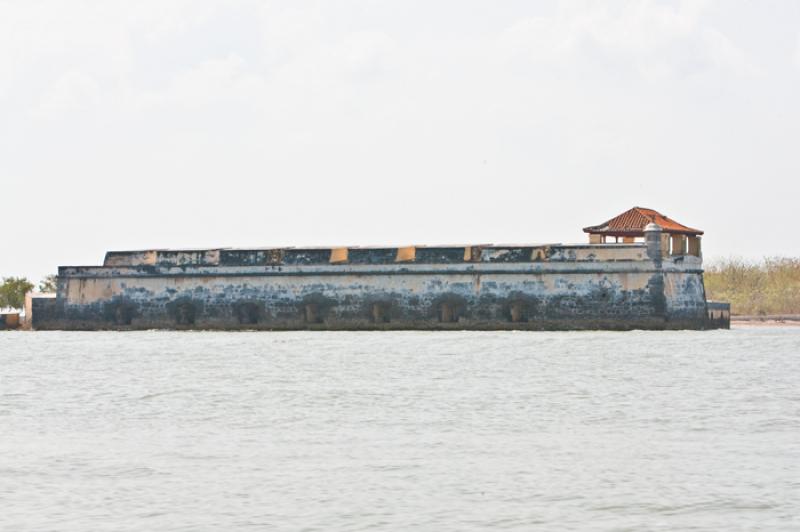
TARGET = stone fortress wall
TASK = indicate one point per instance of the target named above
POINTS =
(536, 287)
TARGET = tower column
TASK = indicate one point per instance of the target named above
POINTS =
(652, 238)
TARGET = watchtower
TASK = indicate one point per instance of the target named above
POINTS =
(629, 227)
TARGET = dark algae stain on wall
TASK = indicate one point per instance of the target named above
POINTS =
(640, 270)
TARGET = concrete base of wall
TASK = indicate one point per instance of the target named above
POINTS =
(9, 321)
(462, 325)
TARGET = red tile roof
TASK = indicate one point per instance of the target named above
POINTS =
(632, 223)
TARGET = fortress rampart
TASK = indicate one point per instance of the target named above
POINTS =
(491, 287)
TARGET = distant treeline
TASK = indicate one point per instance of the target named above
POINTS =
(770, 286)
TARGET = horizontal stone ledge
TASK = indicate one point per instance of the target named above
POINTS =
(511, 267)
(283, 272)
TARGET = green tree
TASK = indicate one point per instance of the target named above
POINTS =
(13, 290)
(48, 284)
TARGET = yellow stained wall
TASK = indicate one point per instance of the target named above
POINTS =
(338, 255)
(406, 254)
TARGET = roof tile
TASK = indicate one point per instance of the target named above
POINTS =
(633, 221)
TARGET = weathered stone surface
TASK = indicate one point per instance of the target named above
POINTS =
(554, 286)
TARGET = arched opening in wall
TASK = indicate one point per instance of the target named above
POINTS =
(380, 313)
(185, 313)
(247, 313)
(448, 313)
(123, 315)
(517, 312)
(119, 312)
(312, 314)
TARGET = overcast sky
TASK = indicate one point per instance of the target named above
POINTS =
(140, 124)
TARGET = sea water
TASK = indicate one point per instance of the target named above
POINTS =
(431, 431)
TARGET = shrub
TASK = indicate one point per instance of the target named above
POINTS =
(770, 286)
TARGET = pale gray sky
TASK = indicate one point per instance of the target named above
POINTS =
(138, 124)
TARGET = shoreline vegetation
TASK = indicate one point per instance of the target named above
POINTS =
(758, 291)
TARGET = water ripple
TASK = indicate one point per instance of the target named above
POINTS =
(400, 431)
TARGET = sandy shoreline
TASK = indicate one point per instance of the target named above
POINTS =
(766, 321)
